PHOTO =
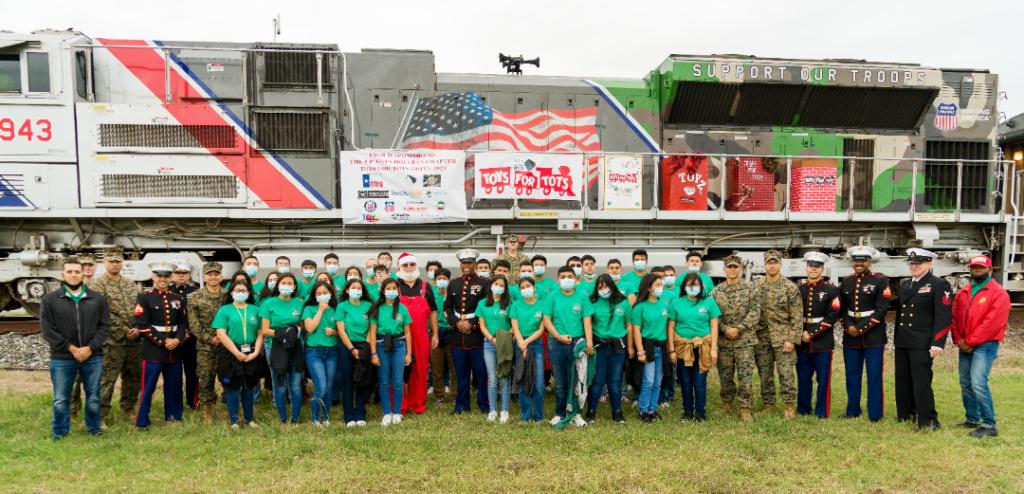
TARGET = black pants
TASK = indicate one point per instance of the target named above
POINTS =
(914, 397)
(189, 364)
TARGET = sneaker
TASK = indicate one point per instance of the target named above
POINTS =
(103, 425)
(252, 425)
(327, 423)
(350, 423)
(666, 405)
(503, 417)
(590, 415)
(603, 399)
(396, 418)
(447, 389)
(687, 415)
(618, 418)
(316, 423)
(234, 426)
(360, 423)
(430, 390)
(578, 421)
(492, 416)
(386, 421)
(655, 416)
(967, 424)
(556, 419)
(984, 432)
(98, 433)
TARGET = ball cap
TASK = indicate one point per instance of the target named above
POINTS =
(980, 261)
(772, 255)
(113, 255)
(917, 254)
(213, 266)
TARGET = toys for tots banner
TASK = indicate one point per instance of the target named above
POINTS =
(528, 176)
(422, 186)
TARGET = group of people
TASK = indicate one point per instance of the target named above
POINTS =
(507, 326)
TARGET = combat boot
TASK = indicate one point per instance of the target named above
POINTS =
(207, 414)
(768, 408)
(789, 411)
(727, 407)
(745, 415)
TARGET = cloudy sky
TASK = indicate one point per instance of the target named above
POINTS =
(594, 38)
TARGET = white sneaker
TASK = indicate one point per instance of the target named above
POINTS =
(504, 417)
(350, 423)
(396, 419)
(430, 390)
(578, 421)
(556, 419)
(327, 423)
(447, 389)
(492, 415)
(234, 426)
(316, 423)
(360, 423)
(252, 425)
(666, 405)
(386, 421)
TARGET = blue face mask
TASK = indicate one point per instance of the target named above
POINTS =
(332, 269)
(251, 270)
(391, 294)
(526, 274)
(576, 270)
(498, 290)
(484, 274)
(694, 269)
(566, 283)
(538, 270)
(657, 292)
(693, 291)
(669, 281)
(430, 275)
(271, 284)
(308, 274)
(616, 277)
(286, 290)
(240, 296)
(604, 293)
(639, 265)
(442, 284)
(356, 294)
(323, 299)
(526, 292)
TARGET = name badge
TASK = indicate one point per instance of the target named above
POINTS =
(246, 348)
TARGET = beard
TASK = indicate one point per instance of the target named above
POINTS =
(409, 276)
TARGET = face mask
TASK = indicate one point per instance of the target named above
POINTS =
(577, 271)
(980, 278)
(332, 269)
(323, 299)
(670, 281)
(391, 294)
(693, 291)
(497, 290)
(658, 291)
(271, 284)
(604, 293)
(251, 270)
(639, 265)
(308, 274)
(484, 274)
(239, 296)
(538, 270)
(526, 292)
(694, 269)
(526, 274)
(356, 294)
(352, 277)
(430, 275)
(286, 290)
(566, 283)
(283, 269)
(442, 284)
(616, 277)
(590, 276)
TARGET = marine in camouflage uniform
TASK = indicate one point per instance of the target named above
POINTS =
(778, 334)
(120, 354)
(514, 261)
(203, 305)
(740, 309)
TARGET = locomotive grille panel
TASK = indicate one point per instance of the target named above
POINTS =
(203, 186)
(281, 67)
(167, 136)
(940, 178)
(291, 131)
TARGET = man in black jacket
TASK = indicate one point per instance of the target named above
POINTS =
(924, 315)
(75, 321)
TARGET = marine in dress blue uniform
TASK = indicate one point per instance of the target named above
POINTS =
(864, 299)
(162, 320)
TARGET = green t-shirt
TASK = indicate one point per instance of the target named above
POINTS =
(373, 290)
(610, 321)
(587, 287)
(652, 318)
(320, 338)
(528, 316)
(241, 325)
(386, 324)
(692, 317)
(630, 282)
(304, 287)
(442, 321)
(669, 295)
(567, 312)
(514, 294)
(257, 288)
(280, 313)
(494, 317)
(546, 287)
(354, 317)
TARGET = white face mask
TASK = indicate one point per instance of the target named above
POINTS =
(442, 284)
(430, 275)
(616, 277)
(657, 292)
(286, 290)
(526, 292)
(694, 269)
(391, 294)
(240, 296)
(352, 277)
(355, 293)
(693, 291)
(323, 299)
(539, 270)
(604, 293)
(484, 274)
(670, 281)
(526, 274)
(271, 284)
(590, 276)
(332, 269)
(577, 271)
(283, 269)
(566, 283)
(639, 265)
(497, 290)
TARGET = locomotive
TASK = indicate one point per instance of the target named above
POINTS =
(186, 150)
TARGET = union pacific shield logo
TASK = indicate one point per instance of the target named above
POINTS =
(945, 117)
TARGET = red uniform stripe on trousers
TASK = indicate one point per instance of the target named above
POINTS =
(828, 390)
(142, 391)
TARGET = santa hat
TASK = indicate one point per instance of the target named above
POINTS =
(406, 258)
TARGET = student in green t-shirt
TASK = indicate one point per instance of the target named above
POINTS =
(650, 320)
(545, 285)
(237, 326)
(567, 316)
(493, 315)
(308, 278)
(390, 349)
(353, 325)
(693, 328)
(265, 289)
(281, 312)
(694, 263)
(527, 319)
(672, 290)
(611, 343)
(588, 279)
(372, 285)
(630, 283)
(318, 317)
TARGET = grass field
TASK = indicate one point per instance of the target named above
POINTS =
(440, 453)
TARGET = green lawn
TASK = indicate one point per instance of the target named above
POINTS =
(439, 453)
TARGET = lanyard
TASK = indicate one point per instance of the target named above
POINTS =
(242, 314)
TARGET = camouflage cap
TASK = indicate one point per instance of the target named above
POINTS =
(212, 266)
(113, 255)
(733, 260)
(772, 255)
(86, 258)
(512, 237)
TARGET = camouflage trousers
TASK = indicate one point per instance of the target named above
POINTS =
(120, 361)
(772, 360)
(206, 367)
(737, 363)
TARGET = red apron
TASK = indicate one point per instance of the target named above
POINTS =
(414, 398)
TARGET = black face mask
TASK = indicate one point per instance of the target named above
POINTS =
(979, 278)
(72, 287)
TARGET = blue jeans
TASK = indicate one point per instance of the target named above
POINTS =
(289, 383)
(651, 384)
(321, 363)
(491, 361)
(531, 407)
(247, 396)
(693, 385)
(62, 375)
(470, 360)
(974, 370)
(562, 362)
(608, 371)
(389, 377)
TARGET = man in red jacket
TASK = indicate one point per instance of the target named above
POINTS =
(980, 312)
